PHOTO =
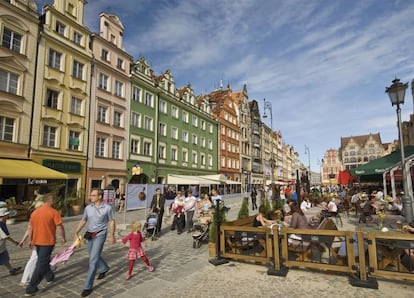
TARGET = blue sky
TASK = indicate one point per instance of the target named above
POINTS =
(324, 65)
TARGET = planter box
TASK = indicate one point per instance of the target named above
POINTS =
(211, 249)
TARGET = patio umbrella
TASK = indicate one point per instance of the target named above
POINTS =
(63, 256)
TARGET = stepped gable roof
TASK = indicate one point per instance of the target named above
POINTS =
(360, 140)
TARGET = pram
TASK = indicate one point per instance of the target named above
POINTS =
(200, 231)
(149, 228)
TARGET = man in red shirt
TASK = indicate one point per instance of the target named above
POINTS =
(44, 222)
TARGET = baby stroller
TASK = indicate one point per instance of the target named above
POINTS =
(200, 232)
(149, 228)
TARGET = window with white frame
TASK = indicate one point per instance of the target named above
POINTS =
(6, 129)
(210, 128)
(162, 106)
(8, 81)
(105, 55)
(77, 38)
(118, 119)
(161, 151)
(194, 158)
(74, 140)
(194, 139)
(210, 160)
(148, 99)
(195, 121)
(148, 123)
(54, 59)
(174, 112)
(136, 119)
(100, 147)
(162, 129)
(49, 136)
(147, 148)
(119, 88)
(76, 105)
(174, 154)
(223, 162)
(229, 162)
(11, 40)
(185, 136)
(60, 28)
(223, 145)
(120, 63)
(116, 149)
(185, 116)
(52, 99)
(174, 133)
(185, 155)
(203, 124)
(202, 159)
(102, 115)
(103, 81)
(77, 70)
(203, 142)
(136, 94)
(134, 146)
(210, 144)
(223, 130)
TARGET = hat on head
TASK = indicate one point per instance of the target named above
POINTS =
(4, 212)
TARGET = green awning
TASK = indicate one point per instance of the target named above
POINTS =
(381, 165)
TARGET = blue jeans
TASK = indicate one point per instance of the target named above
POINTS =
(42, 268)
(96, 263)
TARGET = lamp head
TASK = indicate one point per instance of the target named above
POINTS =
(396, 92)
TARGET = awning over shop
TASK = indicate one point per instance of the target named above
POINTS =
(188, 179)
(380, 165)
(203, 179)
(27, 169)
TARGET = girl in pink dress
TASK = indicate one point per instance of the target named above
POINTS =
(135, 249)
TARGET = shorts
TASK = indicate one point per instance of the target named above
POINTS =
(4, 258)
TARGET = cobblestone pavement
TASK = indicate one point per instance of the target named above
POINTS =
(183, 271)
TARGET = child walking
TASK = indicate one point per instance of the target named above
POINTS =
(5, 236)
(135, 249)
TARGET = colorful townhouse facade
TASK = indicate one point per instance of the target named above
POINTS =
(109, 110)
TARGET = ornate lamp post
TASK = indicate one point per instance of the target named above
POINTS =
(396, 92)
(268, 106)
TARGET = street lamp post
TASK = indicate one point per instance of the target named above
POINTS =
(309, 168)
(396, 92)
(268, 106)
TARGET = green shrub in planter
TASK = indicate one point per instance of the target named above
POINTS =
(244, 209)
(212, 228)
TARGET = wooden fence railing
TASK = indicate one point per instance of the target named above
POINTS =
(363, 254)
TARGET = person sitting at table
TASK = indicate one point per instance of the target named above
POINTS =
(407, 258)
(299, 220)
(260, 219)
(305, 205)
(396, 204)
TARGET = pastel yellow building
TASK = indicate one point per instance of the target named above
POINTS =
(61, 114)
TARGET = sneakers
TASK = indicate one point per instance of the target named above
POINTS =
(31, 294)
(102, 274)
(128, 277)
(24, 284)
(150, 268)
(15, 271)
(86, 292)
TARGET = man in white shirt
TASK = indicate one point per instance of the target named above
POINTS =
(305, 205)
(190, 203)
(215, 196)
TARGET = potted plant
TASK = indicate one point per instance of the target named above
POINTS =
(244, 209)
(74, 201)
(219, 215)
